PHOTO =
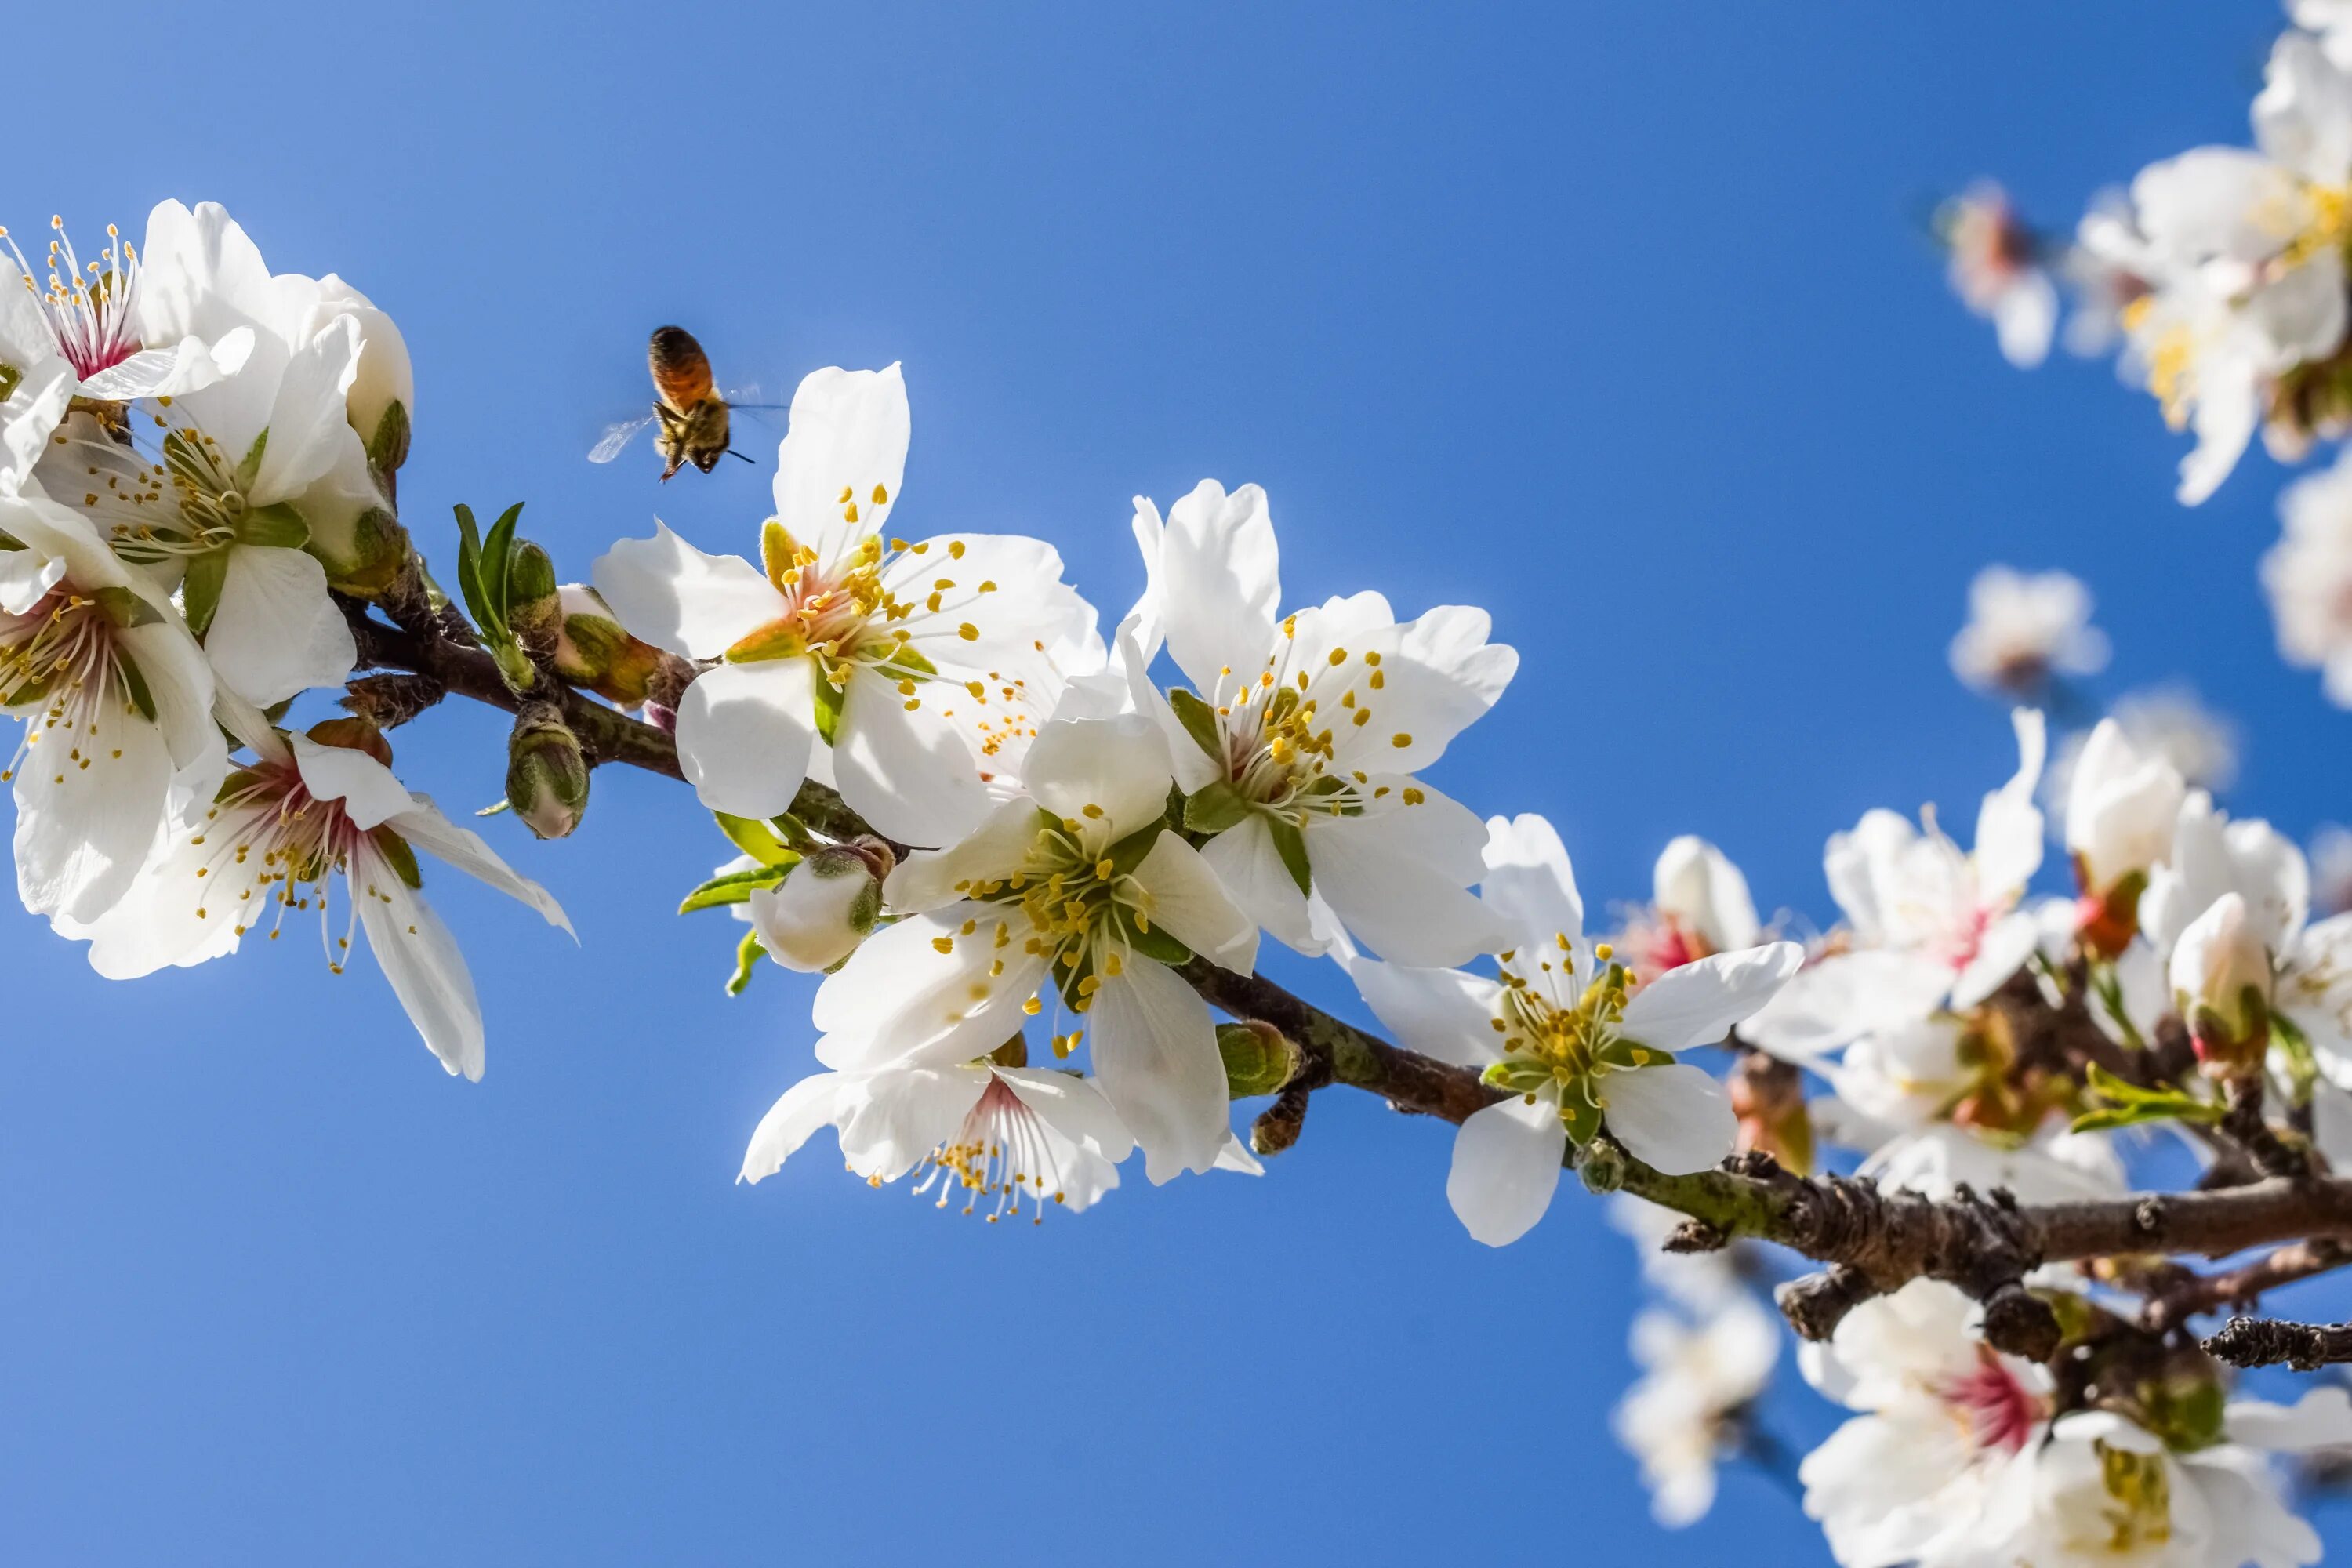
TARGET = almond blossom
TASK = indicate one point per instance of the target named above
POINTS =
(1563, 1027)
(1078, 889)
(309, 812)
(117, 701)
(1298, 742)
(843, 633)
(2025, 629)
(2308, 577)
(1996, 273)
(1683, 1414)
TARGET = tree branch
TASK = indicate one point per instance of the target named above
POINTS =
(2257, 1342)
(2243, 1286)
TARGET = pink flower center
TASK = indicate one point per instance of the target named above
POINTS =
(2000, 1410)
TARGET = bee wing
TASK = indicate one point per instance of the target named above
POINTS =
(616, 437)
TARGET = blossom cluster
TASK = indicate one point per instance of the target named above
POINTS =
(1023, 853)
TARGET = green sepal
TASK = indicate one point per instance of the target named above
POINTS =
(1580, 1112)
(732, 888)
(777, 639)
(1151, 941)
(388, 447)
(828, 700)
(1517, 1075)
(1215, 807)
(1625, 1052)
(1291, 845)
(274, 526)
(134, 683)
(2129, 1105)
(1199, 721)
(250, 469)
(1130, 851)
(748, 952)
(10, 541)
(125, 607)
(907, 663)
(2302, 1068)
(757, 839)
(11, 378)
(394, 848)
(200, 590)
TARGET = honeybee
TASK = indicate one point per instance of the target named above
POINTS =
(692, 413)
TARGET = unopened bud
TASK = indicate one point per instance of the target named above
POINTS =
(1259, 1059)
(2181, 1402)
(592, 649)
(362, 551)
(2221, 979)
(384, 384)
(821, 909)
(547, 776)
(534, 608)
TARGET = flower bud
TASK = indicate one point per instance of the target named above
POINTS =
(1259, 1059)
(534, 608)
(2222, 985)
(821, 909)
(1697, 888)
(2121, 809)
(592, 649)
(2181, 1401)
(1769, 1098)
(383, 390)
(547, 778)
(363, 548)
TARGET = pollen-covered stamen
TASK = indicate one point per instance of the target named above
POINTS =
(1279, 728)
(62, 654)
(184, 498)
(92, 308)
(1002, 1150)
(268, 845)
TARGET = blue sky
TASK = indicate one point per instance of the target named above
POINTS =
(1619, 321)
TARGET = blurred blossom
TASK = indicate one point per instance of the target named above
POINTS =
(2331, 870)
(2107, 269)
(2308, 575)
(1996, 272)
(2024, 629)
(2168, 723)
(1684, 1413)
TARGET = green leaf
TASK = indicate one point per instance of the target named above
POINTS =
(828, 707)
(2129, 1104)
(747, 952)
(134, 682)
(497, 559)
(394, 848)
(1291, 845)
(126, 609)
(1128, 852)
(277, 525)
(1215, 807)
(469, 569)
(200, 590)
(1199, 721)
(732, 888)
(756, 838)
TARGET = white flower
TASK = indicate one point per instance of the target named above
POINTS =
(1076, 886)
(1931, 925)
(2120, 809)
(2331, 868)
(1015, 1134)
(229, 481)
(821, 909)
(2308, 577)
(1696, 1377)
(1298, 742)
(2331, 20)
(308, 811)
(1559, 1030)
(1699, 905)
(81, 335)
(1943, 1419)
(2109, 267)
(2104, 1489)
(843, 633)
(384, 375)
(1995, 273)
(2024, 630)
(2247, 252)
(117, 703)
(2220, 975)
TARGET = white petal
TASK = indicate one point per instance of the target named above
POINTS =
(1440, 1013)
(847, 438)
(923, 988)
(423, 825)
(1675, 1118)
(667, 593)
(1443, 678)
(366, 787)
(1072, 1106)
(421, 959)
(1220, 580)
(1529, 882)
(1846, 996)
(744, 732)
(1505, 1167)
(908, 773)
(1696, 1003)
(309, 429)
(1184, 898)
(83, 832)
(904, 1114)
(1399, 877)
(277, 632)
(816, 1101)
(1244, 860)
(1109, 775)
(931, 877)
(1155, 1057)
(2320, 1419)
(2000, 953)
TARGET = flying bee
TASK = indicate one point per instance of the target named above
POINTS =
(692, 414)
